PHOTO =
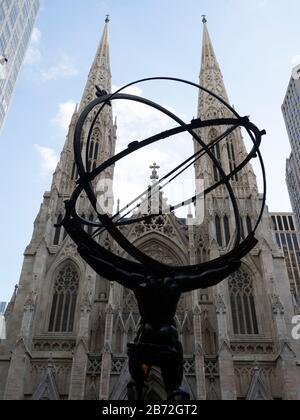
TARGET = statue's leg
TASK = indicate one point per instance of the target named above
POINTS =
(172, 373)
(139, 375)
(139, 372)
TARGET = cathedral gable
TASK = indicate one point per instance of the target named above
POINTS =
(48, 389)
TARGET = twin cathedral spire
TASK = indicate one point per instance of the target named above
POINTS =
(100, 72)
(103, 139)
(63, 311)
(104, 136)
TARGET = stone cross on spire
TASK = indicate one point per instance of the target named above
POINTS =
(204, 20)
(154, 175)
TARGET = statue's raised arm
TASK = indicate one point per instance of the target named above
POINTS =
(99, 259)
(207, 278)
(213, 274)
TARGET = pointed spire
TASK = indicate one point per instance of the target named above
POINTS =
(208, 54)
(211, 75)
(209, 108)
(100, 77)
(100, 73)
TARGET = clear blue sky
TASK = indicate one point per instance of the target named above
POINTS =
(255, 41)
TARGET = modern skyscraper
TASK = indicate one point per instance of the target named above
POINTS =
(288, 240)
(292, 180)
(67, 327)
(17, 19)
(291, 113)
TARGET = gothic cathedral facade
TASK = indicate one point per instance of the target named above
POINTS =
(67, 328)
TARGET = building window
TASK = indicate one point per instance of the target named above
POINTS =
(213, 135)
(285, 222)
(231, 157)
(243, 310)
(218, 230)
(295, 240)
(91, 151)
(280, 225)
(64, 300)
(292, 226)
(57, 230)
(226, 230)
(94, 149)
(242, 228)
(216, 152)
(249, 225)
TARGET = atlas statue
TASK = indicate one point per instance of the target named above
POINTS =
(156, 286)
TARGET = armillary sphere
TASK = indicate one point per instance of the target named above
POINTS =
(111, 223)
(157, 286)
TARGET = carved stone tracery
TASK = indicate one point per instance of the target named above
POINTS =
(159, 224)
(53, 345)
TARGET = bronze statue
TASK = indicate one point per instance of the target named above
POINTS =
(157, 287)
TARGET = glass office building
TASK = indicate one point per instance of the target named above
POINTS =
(17, 19)
(293, 183)
(288, 240)
(291, 113)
